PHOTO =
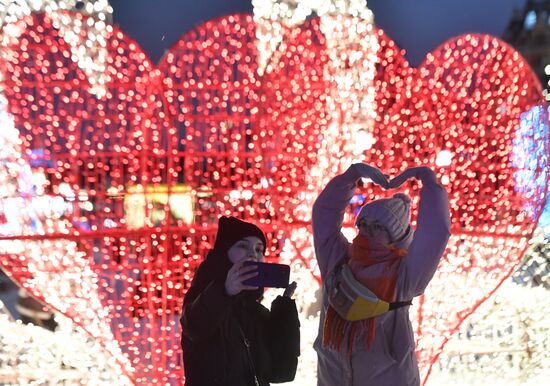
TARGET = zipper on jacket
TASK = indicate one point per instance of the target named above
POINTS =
(247, 345)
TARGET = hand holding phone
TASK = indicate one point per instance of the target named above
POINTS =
(269, 275)
(236, 276)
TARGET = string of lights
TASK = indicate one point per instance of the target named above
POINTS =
(33, 355)
(271, 16)
(507, 339)
(52, 270)
(206, 124)
(86, 37)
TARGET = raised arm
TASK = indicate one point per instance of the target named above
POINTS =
(328, 214)
(431, 234)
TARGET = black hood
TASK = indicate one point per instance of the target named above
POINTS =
(216, 264)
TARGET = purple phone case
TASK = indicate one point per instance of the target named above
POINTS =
(269, 275)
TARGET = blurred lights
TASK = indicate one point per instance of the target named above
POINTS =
(32, 355)
(256, 142)
(363, 142)
(528, 151)
(53, 269)
(506, 341)
(86, 37)
(444, 158)
(271, 16)
(530, 20)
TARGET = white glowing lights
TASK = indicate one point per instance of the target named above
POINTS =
(506, 340)
(271, 17)
(258, 145)
(33, 355)
(444, 158)
(55, 269)
(86, 37)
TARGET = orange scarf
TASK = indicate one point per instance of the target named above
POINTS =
(376, 267)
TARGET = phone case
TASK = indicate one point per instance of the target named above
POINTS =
(269, 275)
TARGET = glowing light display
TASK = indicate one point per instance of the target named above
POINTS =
(346, 74)
(526, 152)
(535, 117)
(434, 116)
(86, 36)
(505, 341)
(33, 355)
(270, 16)
(52, 269)
(246, 144)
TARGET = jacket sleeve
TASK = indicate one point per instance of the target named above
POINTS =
(327, 217)
(429, 241)
(284, 340)
(201, 318)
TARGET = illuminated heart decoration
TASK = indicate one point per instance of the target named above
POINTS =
(146, 170)
(168, 129)
(474, 112)
(114, 151)
(92, 151)
(463, 113)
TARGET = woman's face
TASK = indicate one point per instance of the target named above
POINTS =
(248, 248)
(374, 230)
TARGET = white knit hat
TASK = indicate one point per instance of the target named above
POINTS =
(394, 213)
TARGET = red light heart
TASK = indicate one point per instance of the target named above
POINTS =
(160, 144)
(97, 149)
(466, 100)
(205, 128)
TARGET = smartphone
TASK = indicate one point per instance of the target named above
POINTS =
(269, 275)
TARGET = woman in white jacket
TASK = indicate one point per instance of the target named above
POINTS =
(356, 347)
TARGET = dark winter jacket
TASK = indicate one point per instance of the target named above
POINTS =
(216, 326)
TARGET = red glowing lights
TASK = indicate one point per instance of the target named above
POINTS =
(146, 168)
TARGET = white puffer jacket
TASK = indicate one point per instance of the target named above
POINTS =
(391, 361)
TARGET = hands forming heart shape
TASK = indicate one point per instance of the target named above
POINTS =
(206, 123)
(422, 173)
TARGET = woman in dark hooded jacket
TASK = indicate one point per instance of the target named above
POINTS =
(228, 337)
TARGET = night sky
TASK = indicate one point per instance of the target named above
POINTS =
(418, 26)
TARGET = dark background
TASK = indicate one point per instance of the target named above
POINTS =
(418, 26)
